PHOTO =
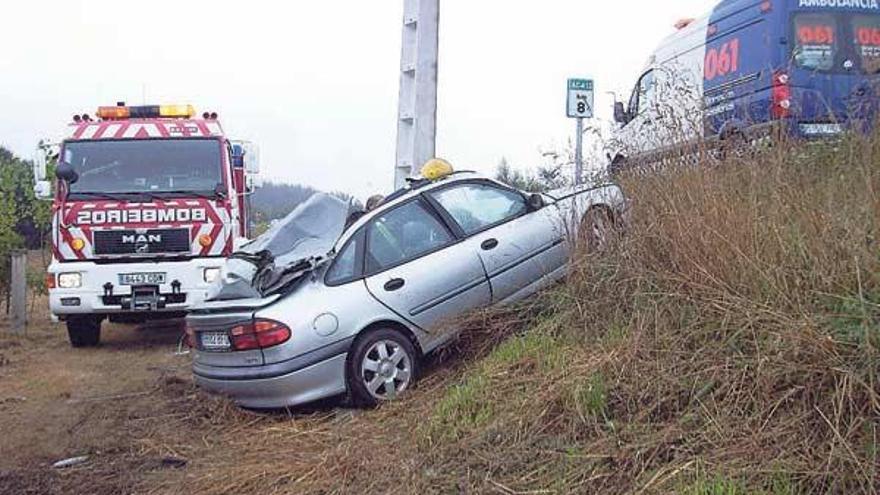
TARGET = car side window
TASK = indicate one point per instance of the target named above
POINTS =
(403, 234)
(345, 267)
(475, 207)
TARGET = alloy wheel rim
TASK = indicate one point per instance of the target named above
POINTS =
(386, 370)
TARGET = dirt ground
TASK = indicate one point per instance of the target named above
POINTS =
(130, 406)
(57, 402)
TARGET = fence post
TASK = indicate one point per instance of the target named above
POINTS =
(18, 291)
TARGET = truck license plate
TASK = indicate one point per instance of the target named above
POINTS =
(141, 278)
(215, 341)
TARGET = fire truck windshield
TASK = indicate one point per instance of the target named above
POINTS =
(174, 167)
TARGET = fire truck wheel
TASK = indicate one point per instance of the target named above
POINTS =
(84, 331)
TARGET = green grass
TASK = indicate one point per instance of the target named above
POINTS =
(470, 406)
(705, 484)
(462, 409)
(590, 397)
(856, 319)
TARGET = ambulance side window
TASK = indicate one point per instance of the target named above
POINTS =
(641, 95)
(633, 108)
(646, 91)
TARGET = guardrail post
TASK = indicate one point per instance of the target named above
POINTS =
(18, 291)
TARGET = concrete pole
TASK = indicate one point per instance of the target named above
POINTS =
(18, 291)
(417, 103)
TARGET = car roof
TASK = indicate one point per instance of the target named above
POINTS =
(400, 196)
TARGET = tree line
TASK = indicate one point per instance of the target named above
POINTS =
(25, 221)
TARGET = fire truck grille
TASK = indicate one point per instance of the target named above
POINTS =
(154, 241)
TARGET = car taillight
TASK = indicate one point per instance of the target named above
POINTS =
(781, 96)
(259, 334)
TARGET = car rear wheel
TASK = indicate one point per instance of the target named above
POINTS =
(84, 331)
(382, 366)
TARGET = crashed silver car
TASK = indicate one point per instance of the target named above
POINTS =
(333, 301)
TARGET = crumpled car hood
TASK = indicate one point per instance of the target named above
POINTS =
(289, 250)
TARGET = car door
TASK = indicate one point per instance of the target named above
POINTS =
(417, 267)
(518, 246)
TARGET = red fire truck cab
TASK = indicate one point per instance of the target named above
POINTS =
(147, 203)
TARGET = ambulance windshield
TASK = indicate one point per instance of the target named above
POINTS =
(172, 167)
(837, 42)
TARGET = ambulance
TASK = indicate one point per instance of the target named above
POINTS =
(148, 201)
(753, 69)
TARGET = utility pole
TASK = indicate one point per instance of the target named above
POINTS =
(417, 103)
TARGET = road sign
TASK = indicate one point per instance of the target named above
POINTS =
(581, 96)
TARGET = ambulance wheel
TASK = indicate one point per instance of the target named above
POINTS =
(84, 331)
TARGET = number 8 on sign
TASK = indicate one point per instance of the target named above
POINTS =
(580, 98)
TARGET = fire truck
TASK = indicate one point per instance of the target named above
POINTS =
(148, 202)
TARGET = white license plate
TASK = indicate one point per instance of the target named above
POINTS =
(215, 341)
(141, 278)
(821, 129)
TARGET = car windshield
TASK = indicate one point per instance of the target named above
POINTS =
(836, 42)
(152, 166)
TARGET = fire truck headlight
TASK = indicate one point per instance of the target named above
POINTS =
(78, 244)
(211, 275)
(70, 280)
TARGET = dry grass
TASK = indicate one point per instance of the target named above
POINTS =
(729, 343)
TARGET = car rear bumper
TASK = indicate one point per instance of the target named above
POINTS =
(317, 381)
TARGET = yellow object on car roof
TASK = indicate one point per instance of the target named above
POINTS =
(437, 168)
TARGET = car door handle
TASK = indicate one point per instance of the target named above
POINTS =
(489, 244)
(394, 284)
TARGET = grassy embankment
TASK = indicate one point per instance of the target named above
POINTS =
(729, 343)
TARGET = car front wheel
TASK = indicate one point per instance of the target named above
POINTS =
(382, 366)
(596, 229)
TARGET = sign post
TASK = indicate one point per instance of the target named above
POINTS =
(581, 96)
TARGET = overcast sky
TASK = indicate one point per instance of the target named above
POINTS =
(315, 82)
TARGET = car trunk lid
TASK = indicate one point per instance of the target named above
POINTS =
(211, 335)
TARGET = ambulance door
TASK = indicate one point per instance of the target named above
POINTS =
(638, 135)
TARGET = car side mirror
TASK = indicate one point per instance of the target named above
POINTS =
(66, 173)
(535, 202)
(619, 113)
